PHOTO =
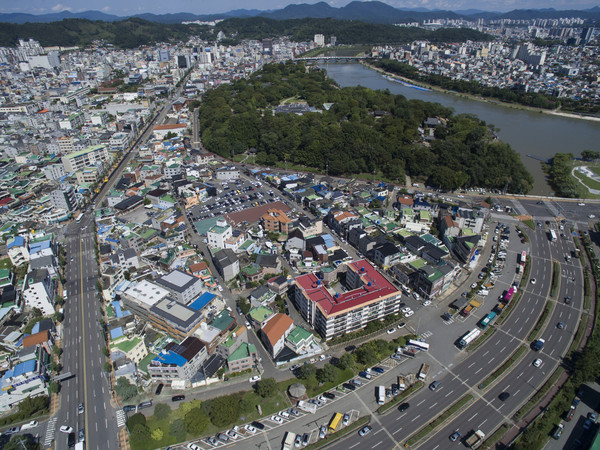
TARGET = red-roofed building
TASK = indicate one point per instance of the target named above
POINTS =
(274, 332)
(370, 296)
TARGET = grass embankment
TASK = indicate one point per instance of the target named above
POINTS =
(503, 368)
(439, 420)
(331, 438)
(529, 223)
(400, 397)
(494, 438)
(555, 279)
(541, 321)
(533, 401)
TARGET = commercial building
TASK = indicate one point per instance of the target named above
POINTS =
(182, 286)
(83, 158)
(178, 361)
(369, 296)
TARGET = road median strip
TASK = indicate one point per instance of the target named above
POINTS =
(555, 279)
(439, 420)
(334, 437)
(503, 368)
(541, 321)
(402, 396)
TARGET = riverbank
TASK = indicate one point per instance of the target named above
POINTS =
(480, 99)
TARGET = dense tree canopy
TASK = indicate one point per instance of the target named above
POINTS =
(357, 130)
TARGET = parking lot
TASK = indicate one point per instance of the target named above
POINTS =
(233, 196)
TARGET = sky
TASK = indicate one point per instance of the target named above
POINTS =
(130, 7)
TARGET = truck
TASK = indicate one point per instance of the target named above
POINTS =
(80, 446)
(423, 372)
(307, 407)
(538, 345)
(475, 439)
(288, 441)
(380, 394)
(401, 383)
(466, 310)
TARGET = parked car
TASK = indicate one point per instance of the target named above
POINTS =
(128, 408)
(193, 446)
(322, 431)
(258, 425)
(159, 389)
(277, 419)
(329, 395)
(346, 419)
(255, 378)
(177, 398)
(305, 439)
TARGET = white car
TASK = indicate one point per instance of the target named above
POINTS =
(66, 429)
(29, 425)
(193, 446)
(255, 378)
(409, 313)
(427, 303)
(391, 331)
(250, 429)
(537, 363)
(277, 419)
(581, 204)
(406, 309)
(474, 285)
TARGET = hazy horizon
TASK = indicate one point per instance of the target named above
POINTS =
(124, 8)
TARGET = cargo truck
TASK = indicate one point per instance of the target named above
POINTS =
(423, 372)
(475, 439)
(401, 383)
(380, 394)
(307, 407)
(538, 345)
(288, 442)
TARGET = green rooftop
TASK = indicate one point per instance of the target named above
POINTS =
(127, 345)
(222, 321)
(243, 351)
(261, 313)
(418, 263)
(299, 334)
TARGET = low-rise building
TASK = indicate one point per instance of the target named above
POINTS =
(275, 331)
(178, 361)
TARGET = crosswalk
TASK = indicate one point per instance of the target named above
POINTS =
(121, 418)
(426, 334)
(50, 432)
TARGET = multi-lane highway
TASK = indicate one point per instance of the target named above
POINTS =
(83, 341)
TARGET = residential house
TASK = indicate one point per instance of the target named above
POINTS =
(275, 331)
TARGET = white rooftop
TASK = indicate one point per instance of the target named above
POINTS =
(146, 292)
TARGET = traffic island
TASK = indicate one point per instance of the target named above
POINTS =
(439, 420)
(333, 437)
(555, 279)
(504, 367)
(402, 396)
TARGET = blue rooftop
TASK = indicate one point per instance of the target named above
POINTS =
(116, 333)
(119, 312)
(18, 241)
(38, 246)
(24, 367)
(171, 358)
(202, 301)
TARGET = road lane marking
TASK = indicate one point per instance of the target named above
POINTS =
(379, 443)
(472, 417)
(481, 424)
(416, 417)
(421, 402)
(449, 393)
(433, 406)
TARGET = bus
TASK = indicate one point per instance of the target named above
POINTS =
(523, 258)
(487, 320)
(418, 344)
(552, 235)
(335, 421)
(380, 395)
(509, 295)
(468, 338)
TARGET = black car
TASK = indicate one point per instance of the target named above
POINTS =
(258, 425)
(177, 398)
(504, 396)
(146, 404)
(349, 386)
(128, 408)
(71, 440)
(329, 395)
(159, 389)
(403, 407)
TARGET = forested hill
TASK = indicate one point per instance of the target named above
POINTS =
(363, 131)
(346, 32)
(136, 32)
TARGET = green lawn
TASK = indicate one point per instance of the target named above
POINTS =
(589, 182)
(5, 263)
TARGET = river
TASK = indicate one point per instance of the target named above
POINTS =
(527, 132)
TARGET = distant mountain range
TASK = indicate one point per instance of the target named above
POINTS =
(374, 12)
